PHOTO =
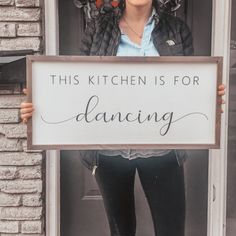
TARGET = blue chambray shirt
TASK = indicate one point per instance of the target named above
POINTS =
(147, 48)
(128, 48)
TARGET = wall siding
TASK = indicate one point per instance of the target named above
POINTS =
(22, 171)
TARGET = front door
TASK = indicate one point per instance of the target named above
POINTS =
(82, 210)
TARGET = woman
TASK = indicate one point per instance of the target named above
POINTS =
(137, 28)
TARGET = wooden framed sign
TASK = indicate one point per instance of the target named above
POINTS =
(124, 102)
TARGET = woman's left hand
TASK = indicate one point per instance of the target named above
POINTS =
(221, 92)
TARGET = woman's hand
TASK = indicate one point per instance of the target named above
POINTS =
(26, 109)
(221, 92)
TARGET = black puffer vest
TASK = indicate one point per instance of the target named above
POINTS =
(171, 37)
(102, 36)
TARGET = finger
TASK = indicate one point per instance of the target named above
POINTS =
(28, 115)
(221, 87)
(221, 92)
(26, 105)
(220, 101)
(25, 120)
(25, 91)
(26, 110)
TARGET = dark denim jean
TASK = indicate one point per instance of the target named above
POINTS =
(162, 180)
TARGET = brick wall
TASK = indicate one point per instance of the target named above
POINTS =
(20, 26)
(22, 204)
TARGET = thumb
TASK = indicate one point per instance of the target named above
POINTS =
(25, 91)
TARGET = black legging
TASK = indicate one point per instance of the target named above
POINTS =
(163, 182)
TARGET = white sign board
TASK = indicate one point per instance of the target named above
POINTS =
(123, 102)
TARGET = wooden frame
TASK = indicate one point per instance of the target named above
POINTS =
(124, 60)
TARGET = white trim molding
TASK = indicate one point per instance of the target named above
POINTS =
(51, 27)
(53, 193)
(221, 27)
(52, 157)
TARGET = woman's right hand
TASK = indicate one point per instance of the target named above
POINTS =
(26, 109)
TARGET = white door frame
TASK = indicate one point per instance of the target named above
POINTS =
(52, 157)
(221, 23)
(217, 174)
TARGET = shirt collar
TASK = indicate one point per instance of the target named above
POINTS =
(153, 14)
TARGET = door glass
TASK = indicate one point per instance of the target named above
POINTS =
(82, 210)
